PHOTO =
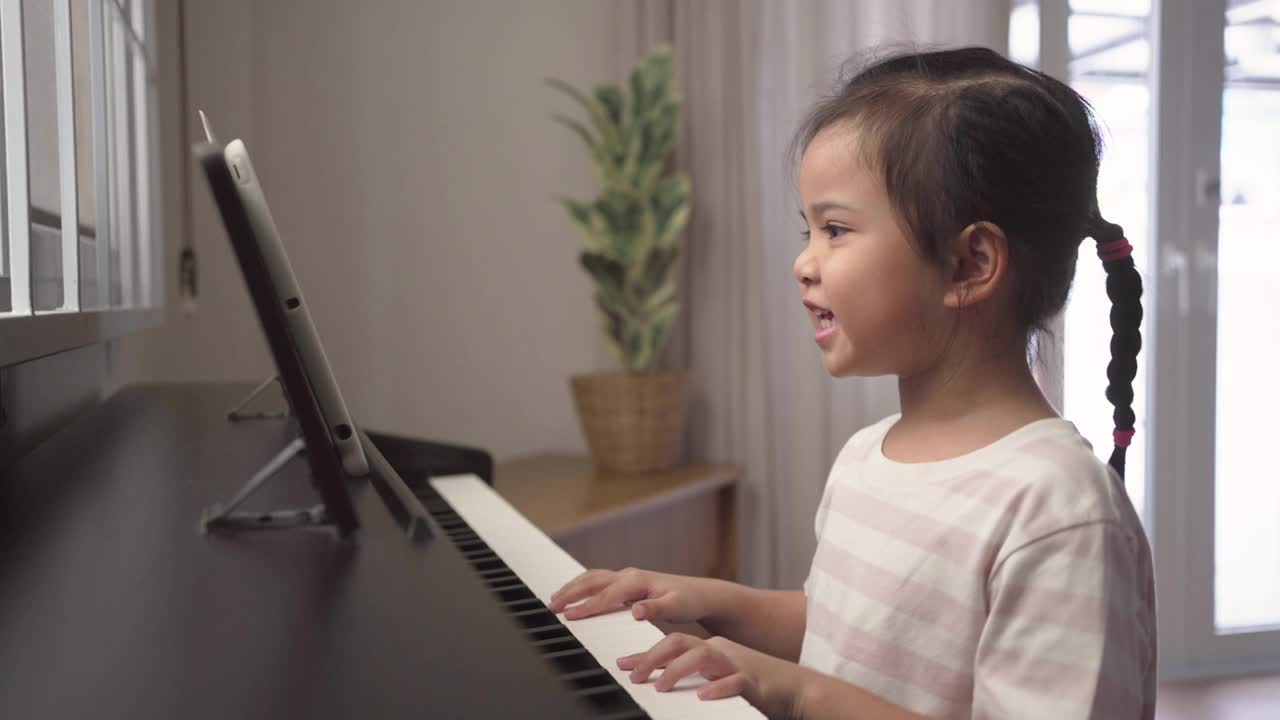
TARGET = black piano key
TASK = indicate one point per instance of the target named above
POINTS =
(572, 660)
(513, 593)
(556, 644)
(596, 690)
(535, 617)
(502, 579)
(584, 674)
(522, 603)
(510, 586)
(555, 628)
(490, 565)
(633, 714)
(609, 700)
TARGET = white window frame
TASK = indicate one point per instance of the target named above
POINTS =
(27, 334)
(1181, 299)
(1188, 58)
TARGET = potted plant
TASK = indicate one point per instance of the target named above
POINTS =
(633, 419)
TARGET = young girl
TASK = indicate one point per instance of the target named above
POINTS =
(975, 559)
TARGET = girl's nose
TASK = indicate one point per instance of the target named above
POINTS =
(805, 268)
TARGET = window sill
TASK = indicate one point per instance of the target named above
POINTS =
(28, 337)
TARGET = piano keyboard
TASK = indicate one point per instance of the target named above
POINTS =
(523, 567)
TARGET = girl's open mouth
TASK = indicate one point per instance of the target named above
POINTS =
(825, 321)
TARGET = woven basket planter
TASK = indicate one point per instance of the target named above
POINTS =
(634, 422)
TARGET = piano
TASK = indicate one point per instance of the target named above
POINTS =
(113, 604)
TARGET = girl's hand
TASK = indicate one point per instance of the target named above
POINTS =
(653, 596)
(773, 686)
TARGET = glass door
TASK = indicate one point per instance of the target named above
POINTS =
(1188, 94)
(1217, 197)
(1246, 474)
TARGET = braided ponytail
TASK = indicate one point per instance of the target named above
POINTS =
(1124, 288)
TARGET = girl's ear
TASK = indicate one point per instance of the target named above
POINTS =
(979, 264)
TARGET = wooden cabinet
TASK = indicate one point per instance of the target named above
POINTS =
(678, 521)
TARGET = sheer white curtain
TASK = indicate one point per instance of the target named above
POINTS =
(749, 69)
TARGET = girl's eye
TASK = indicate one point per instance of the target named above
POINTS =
(834, 231)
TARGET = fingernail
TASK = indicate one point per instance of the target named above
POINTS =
(638, 612)
(702, 692)
(625, 663)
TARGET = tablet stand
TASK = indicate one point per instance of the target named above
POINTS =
(238, 413)
(220, 517)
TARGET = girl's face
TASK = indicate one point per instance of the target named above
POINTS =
(875, 302)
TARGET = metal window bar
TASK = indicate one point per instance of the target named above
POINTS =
(131, 242)
(157, 298)
(123, 155)
(67, 155)
(123, 14)
(150, 257)
(142, 183)
(140, 19)
(15, 138)
(102, 174)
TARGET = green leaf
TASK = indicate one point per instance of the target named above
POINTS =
(657, 268)
(607, 272)
(633, 347)
(613, 324)
(572, 92)
(663, 320)
(652, 76)
(639, 95)
(606, 129)
(578, 128)
(611, 99)
(668, 196)
(581, 213)
(663, 295)
(635, 151)
(660, 130)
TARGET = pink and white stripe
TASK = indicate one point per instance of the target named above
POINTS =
(1014, 581)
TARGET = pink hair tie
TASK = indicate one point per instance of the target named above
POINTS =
(1123, 437)
(1115, 250)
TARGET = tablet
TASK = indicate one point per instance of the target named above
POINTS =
(289, 295)
(300, 385)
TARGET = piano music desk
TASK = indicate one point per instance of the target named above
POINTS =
(677, 521)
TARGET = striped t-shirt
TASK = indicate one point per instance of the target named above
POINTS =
(1011, 582)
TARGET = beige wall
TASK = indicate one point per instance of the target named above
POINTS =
(407, 153)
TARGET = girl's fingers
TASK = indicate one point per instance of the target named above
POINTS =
(585, 585)
(664, 651)
(701, 660)
(623, 589)
(730, 686)
(653, 608)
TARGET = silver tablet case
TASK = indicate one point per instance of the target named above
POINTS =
(341, 429)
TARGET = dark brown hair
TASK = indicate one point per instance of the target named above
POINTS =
(966, 135)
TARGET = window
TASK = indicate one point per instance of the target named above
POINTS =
(1189, 96)
(80, 248)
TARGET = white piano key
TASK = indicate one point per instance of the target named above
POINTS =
(544, 567)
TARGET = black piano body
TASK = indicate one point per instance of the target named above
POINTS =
(113, 603)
